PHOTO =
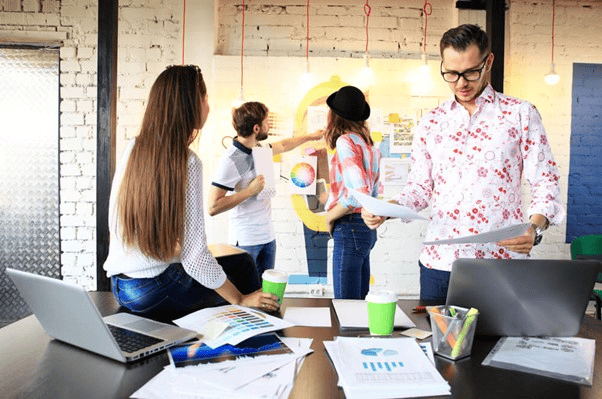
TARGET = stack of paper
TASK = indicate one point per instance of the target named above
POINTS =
(384, 368)
(264, 376)
(568, 359)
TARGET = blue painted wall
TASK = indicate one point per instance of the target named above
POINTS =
(584, 208)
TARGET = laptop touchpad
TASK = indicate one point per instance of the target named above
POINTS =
(144, 325)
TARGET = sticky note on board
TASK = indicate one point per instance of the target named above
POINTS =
(394, 118)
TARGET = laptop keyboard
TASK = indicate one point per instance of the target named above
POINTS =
(131, 341)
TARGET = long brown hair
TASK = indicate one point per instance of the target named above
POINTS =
(152, 195)
(338, 126)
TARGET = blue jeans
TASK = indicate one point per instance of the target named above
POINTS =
(433, 284)
(174, 294)
(353, 241)
(264, 255)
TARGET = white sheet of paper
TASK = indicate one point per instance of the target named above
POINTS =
(490, 236)
(264, 165)
(353, 313)
(310, 317)
(383, 208)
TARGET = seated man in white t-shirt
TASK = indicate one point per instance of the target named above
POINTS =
(251, 218)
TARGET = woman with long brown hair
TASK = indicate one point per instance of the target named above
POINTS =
(158, 260)
(355, 165)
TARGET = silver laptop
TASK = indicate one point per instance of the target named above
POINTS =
(524, 297)
(67, 313)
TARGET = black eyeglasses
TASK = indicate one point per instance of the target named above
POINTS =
(471, 75)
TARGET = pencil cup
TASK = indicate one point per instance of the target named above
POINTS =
(274, 281)
(453, 330)
(381, 312)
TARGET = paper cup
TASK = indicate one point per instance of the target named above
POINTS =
(274, 281)
(381, 312)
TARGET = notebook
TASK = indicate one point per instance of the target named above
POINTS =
(524, 297)
(67, 313)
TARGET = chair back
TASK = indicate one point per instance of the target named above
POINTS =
(587, 246)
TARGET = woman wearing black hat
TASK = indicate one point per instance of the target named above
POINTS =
(355, 165)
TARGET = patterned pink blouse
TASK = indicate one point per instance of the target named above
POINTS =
(469, 168)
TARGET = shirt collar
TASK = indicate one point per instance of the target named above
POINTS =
(488, 95)
(241, 147)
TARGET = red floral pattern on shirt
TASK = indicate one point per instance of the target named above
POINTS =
(469, 169)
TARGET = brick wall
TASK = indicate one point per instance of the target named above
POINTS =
(337, 28)
(149, 40)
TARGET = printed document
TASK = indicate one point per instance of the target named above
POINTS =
(383, 208)
(490, 236)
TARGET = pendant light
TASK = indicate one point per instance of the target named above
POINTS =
(552, 77)
(241, 98)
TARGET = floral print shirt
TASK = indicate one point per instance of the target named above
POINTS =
(469, 168)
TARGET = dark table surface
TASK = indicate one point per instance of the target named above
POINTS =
(34, 366)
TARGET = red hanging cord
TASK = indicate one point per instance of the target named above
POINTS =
(367, 11)
(428, 10)
(553, 16)
(307, 32)
(183, 31)
(242, 45)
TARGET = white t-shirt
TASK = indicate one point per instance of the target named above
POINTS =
(194, 256)
(251, 220)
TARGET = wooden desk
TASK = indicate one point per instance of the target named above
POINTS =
(34, 366)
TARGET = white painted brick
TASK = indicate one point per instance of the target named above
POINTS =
(67, 208)
(70, 66)
(68, 106)
(89, 66)
(72, 92)
(85, 52)
(72, 118)
(85, 105)
(67, 53)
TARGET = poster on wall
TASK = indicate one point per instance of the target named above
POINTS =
(394, 171)
(317, 117)
(401, 134)
(302, 179)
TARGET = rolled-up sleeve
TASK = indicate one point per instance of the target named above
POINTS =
(540, 169)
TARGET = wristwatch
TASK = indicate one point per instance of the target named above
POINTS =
(538, 234)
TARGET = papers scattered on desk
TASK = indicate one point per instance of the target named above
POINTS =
(383, 208)
(310, 317)
(371, 368)
(265, 377)
(242, 323)
(353, 313)
(490, 236)
(568, 359)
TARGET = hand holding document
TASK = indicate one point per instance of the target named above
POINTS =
(383, 208)
(490, 236)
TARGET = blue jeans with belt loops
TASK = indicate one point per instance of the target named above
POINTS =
(353, 241)
(174, 293)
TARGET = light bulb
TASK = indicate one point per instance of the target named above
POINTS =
(240, 100)
(366, 77)
(425, 67)
(552, 77)
(307, 79)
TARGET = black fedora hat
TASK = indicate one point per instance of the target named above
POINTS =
(349, 103)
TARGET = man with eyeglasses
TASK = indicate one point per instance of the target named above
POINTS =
(468, 158)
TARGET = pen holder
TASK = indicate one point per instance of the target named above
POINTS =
(453, 330)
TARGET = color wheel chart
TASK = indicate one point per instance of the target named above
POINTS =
(303, 176)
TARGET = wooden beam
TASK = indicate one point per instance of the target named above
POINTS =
(106, 125)
(496, 30)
